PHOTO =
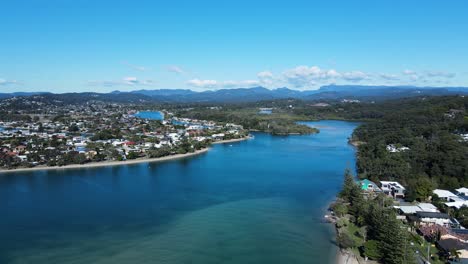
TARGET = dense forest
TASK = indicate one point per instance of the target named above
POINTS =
(437, 156)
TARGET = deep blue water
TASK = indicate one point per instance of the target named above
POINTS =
(154, 115)
(256, 201)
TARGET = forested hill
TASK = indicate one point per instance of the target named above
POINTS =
(431, 128)
(255, 94)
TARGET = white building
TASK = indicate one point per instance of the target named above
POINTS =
(394, 189)
(462, 191)
(444, 194)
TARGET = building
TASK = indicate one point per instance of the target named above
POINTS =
(369, 186)
(457, 204)
(394, 189)
(420, 207)
(448, 245)
(435, 218)
(444, 194)
(462, 191)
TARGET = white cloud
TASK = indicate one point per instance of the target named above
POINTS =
(175, 69)
(210, 84)
(265, 75)
(355, 76)
(311, 77)
(304, 76)
(126, 81)
(440, 74)
(389, 77)
(428, 74)
(202, 83)
(135, 67)
(409, 72)
(8, 82)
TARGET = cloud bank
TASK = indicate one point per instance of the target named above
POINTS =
(312, 77)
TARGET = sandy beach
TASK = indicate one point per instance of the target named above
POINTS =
(118, 163)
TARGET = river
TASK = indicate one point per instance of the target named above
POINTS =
(255, 201)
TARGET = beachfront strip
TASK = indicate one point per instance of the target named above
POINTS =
(439, 221)
(99, 132)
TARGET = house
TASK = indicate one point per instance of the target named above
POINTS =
(430, 231)
(431, 218)
(444, 194)
(394, 189)
(369, 186)
(460, 234)
(219, 136)
(420, 207)
(394, 149)
(457, 204)
(428, 207)
(462, 191)
(448, 245)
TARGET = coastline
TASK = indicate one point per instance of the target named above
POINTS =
(232, 140)
(117, 163)
(345, 257)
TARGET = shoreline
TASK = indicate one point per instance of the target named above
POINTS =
(232, 140)
(345, 257)
(117, 163)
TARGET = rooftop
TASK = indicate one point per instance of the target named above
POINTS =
(444, 193)
(393, 184)
(432, 215)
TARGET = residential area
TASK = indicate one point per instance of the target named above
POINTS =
(436, 225)
(96, 132)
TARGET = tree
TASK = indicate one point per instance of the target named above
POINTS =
(371, 249)
(345, 240)
(348, 185)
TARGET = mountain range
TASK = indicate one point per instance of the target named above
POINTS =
(329, 92)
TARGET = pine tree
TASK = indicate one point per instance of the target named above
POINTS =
(348, 185)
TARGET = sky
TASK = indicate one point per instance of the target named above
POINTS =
(101, 46)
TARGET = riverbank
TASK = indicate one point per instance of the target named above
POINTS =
(346, 257)
(106, 163)
(117, 163)
(232, 140)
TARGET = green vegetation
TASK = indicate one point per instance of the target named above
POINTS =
(430, 128)
(371, 227)
(281, 123)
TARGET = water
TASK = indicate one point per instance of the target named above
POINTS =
(256, 201)
(153, 115)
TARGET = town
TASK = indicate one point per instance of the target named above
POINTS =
(49, 135)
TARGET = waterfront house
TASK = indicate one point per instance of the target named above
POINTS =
(394, 189)
(368, 186)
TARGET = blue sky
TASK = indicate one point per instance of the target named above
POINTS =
(78, 45)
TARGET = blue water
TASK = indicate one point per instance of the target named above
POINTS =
(256, 201)
(153, 115)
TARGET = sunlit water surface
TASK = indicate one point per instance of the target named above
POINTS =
(256, 201)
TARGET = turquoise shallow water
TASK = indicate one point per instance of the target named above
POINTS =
(256, 201)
